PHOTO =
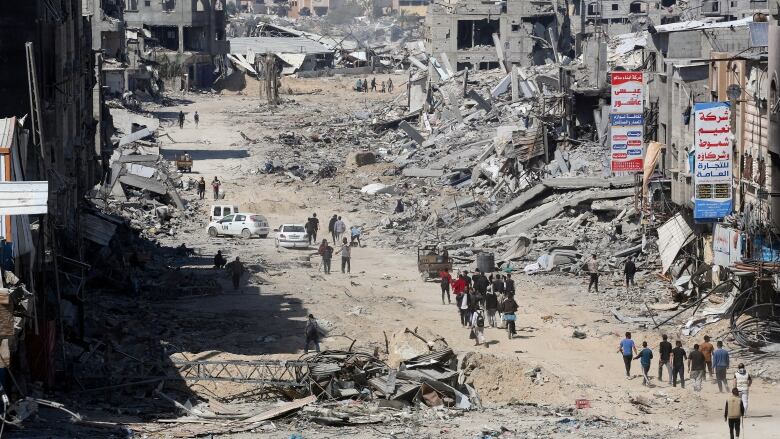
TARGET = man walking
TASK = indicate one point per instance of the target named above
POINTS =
(478, 327)
(389, 85)
(481, 284)
(202, 187)
(510, 307)
(743, 381)
(644, 357)
(734, 412)
(373, 84)
(696, 367)
(312, 226)
(720, 361)
(332, 228)
(678, 364)
(346, 256)
(593, 270)
(628, 349)
(445, 281)
(312, 333)
(706, 348)
(326, 252)
(509, 286)
(236, 269)
(181, 119)
(491, 304)
(665, 351)
(464, 302)
(339, 228)
(629, 269)
(196, 118)
(215, 184)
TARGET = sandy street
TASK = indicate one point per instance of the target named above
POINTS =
(385, 294)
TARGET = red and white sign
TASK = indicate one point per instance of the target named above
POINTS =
(627, 93)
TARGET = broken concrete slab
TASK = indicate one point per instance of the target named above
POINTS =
(511, 207)
(564, 183)
(617, 205)
(377, 189)
(357, 159)
(411, 132)
(422, 172)
(481, 102)
(502, 86)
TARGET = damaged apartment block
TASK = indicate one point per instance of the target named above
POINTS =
(479, 36)
(186, 38)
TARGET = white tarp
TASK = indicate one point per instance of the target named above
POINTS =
(673, 235)
(294, 60)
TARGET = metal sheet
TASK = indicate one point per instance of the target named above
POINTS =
(24, 197)
(673, 235)
(97, 229)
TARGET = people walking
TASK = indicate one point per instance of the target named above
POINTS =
(665, 353)
(645, 356)
(720, 361)
(629, 269)
(354, 236)
(383, 87)
(219, 260)
(463, 301)
(593, 271)
(696, 367)
(678, 364)
(707, 349)
(312, 226)
(181, 119)
(743, 381)
(389, 85)
(445, 282)
(478, 327)
(365, 85)
(332, 228)
(236, 269)
(312, 333)
(326, 251)
(373, 84)
(196, 118)
(202, 188)
(346, 256)
(627, 348)
(215, 184)
(481, 284)
(509, 286)
(734, 412)
(339, 228)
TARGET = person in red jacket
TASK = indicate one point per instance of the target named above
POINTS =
(446, 281)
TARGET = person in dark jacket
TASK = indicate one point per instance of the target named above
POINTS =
(509, 286)
(219, 260)
(733, 412)
(312, 333)
(491, 306)
(236, 269)
(665, 350)
(464, 307)
(629, 269)
(481, 284)
(510, 307)
(332, 228)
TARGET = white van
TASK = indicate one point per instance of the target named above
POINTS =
(219, 211)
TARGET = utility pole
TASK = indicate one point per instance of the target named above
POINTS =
(271, 80)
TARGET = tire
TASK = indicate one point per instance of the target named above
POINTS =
(246, 234)
(213, 232)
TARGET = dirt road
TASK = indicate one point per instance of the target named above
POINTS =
(385, 294)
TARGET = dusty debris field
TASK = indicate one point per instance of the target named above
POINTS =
(528, 385)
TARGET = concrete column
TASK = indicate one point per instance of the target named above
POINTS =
(181, 39)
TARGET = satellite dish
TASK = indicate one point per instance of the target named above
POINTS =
(734, 91)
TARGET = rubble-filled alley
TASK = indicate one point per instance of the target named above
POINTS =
(240, 219)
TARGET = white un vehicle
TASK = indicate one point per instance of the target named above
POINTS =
(246, 225)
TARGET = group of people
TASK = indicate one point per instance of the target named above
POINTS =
(195, 118)
(481, 300)
(363, 85)
(703, 359)
(337, 229)
(592, 267)
(215, 185)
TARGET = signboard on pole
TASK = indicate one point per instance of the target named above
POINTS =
(627, 93)
(712, 161)
(726, 246)
(626, 142)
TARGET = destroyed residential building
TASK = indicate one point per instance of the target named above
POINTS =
(479, 35)
(184, 37)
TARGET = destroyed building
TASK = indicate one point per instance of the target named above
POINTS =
(184, 37)
(479, 35)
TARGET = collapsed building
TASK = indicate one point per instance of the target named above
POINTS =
(479, 35)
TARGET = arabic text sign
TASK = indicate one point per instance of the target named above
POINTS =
(712, 160)
(626, 141)
(627, 92)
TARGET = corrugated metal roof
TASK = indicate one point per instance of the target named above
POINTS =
(698, 25)
(429, 358)
(759, 34)
(261, 45)
(7, 131)
(427, 373)
(97, 229)
(673, 235)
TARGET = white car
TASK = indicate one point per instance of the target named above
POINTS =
(244, 224)
(292, 236)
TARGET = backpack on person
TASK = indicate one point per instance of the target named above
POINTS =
(480, 319)
(312, 330)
